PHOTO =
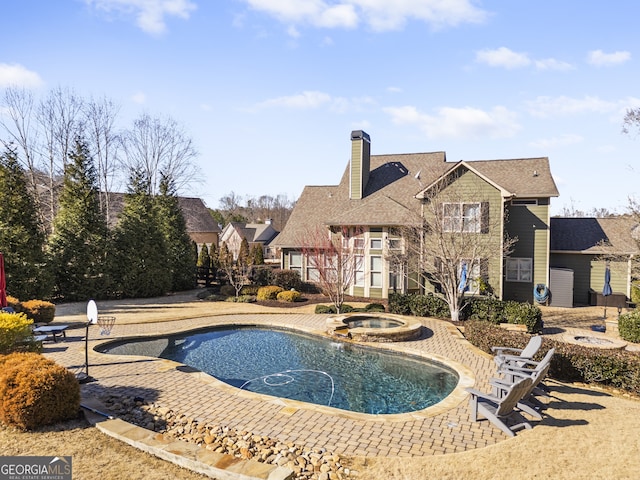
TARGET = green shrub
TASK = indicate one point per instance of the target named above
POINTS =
(287, 279)
(216, 297)
(489, 309)
(374, 307)
(429, 306)
(15, 331)
(241, 299)
(39, 311)
(524, 314)
(270, 292)
(262, 275)
(228, 290)
(570, 363)
(629, 326)
(635, 293)
(325, 309)
(346, 308)
(35, 391)
(249, 290)
(288, 296)
(399, 303)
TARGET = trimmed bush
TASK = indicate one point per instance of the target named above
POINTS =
(374, 307)
(489, 309)
(262, 275)
(270, 292)
(35, 391)
(524, 314)
(287, 279)
(629, 326)
(249, 290)
(227, 291)
(399, 303)
(14, 303)
(429, 306)
(39, 311)
(15, 332)
(325, 309)
(288, 296)
(241, 299)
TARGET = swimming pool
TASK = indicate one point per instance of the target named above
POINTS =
(308, 368)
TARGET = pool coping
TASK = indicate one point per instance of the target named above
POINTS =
(466, 377)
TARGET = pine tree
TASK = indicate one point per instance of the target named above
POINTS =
(78, 247)
(21, 236)
(257, 255)
(174, 227)
(140, 268)
(203, 263)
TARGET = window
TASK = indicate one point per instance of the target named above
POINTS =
(461, 217)
(312, 274)
(376, 271)
(358, 243)
(376, 244)
(473, 275)
(524, 202)
(519, 269)
(359, 270)
(394, 243)
(295, 262)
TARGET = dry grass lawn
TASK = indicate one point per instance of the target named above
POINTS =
(587, 433)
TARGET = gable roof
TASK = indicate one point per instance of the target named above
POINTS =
(195, 213)
(253, 232)
(593, 235)
(395, 181)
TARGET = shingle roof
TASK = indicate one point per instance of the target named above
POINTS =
(394, 181)
(255, 232)
(195, 213)
(593, 235)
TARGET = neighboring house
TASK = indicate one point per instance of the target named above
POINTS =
(260, 234)
(380, 193)
(201, 226)
(581, 247)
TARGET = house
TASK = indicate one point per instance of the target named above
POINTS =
(379, 194)
(582, 247)
(201, 226)
(260, 234)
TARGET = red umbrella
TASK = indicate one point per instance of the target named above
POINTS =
(3, 284)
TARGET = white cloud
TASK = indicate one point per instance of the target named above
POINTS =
(16, 75)
(602, 59)
(555, 142)
(462, 123)
(553, 64)
(393, 89)
(553, 106)
(309, 100)
(379, 15)
(503, 57)
(139, 98)
(149, 14)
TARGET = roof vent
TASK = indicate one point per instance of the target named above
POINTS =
(535, 173)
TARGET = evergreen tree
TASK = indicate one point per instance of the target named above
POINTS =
(257, 255)
(203, 256)
(78, 247)
(21, 238)
(215, 261)
(140, 268)
(174, 227)
(243, 253)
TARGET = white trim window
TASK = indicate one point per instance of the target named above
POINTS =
(473, 275)
(376, 270)
(295, 262)
(376, 244)
(461, 217)
(358, 243)
(519, 269)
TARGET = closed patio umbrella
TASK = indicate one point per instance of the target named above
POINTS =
(463, 287)
(3, 284)
(606, 290)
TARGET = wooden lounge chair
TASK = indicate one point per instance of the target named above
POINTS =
(501, 411)
(529, 403)
(517, 354)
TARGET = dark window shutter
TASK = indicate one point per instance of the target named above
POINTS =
(484, 219)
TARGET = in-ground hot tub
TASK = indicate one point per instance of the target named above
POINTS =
(374, 327)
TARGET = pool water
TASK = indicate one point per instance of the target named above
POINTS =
(372, 322)
(302, 367)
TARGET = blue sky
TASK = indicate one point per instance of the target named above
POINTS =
(270, 90)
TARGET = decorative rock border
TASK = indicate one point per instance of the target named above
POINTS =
(409, 329)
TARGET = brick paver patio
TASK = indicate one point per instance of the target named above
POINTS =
(442, 429)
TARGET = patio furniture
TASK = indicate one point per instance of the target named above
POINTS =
(529, 403)
(519, 355)
(501, 411)
(55, 331)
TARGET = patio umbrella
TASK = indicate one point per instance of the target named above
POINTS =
(606, 290)
(3, 284)
(463, 287)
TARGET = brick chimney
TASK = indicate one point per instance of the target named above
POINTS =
(360, 163)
